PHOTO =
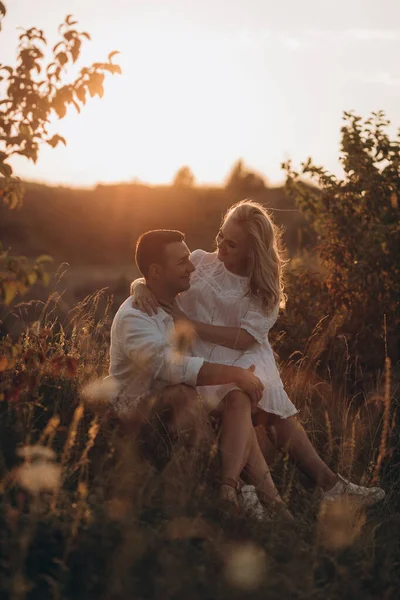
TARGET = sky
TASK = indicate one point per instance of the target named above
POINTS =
(206, 82)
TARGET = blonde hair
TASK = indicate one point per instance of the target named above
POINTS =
(265, 260)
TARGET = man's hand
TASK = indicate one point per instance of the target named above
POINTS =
(144, 300)
(250, 384)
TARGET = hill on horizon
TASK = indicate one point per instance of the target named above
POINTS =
(99, 226)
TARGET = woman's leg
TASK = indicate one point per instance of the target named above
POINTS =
(235, 439)
(288, 434)
(239, 448)
(260, 475)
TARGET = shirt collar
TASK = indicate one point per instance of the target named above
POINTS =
(162, 315)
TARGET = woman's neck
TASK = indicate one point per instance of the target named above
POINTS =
(240, 269)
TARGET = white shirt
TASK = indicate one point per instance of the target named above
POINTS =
(143, 358)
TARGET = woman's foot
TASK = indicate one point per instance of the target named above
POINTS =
(275, 506)
(228, 495)
(250, 504)
(365, 495)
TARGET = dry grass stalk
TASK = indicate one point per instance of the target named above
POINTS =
(72, 433)
(329, 432)
(50, 429)
(92, 434)
(386, 421)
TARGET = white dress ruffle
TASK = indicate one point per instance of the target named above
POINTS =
(219, 297)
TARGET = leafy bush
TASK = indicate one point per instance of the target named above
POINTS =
(357, 223)
(32, 93)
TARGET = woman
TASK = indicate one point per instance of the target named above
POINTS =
(232, 303)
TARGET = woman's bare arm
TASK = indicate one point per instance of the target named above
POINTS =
(230, 337)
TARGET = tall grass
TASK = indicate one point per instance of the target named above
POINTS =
(85, 514)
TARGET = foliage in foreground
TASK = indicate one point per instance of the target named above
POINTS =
(85, 513)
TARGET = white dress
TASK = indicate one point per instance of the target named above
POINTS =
(219, 297)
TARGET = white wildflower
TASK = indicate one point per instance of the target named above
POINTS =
(245, 565)
(100, 391)
(39, 477)
(36, 452)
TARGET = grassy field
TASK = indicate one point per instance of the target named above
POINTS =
(86, 514)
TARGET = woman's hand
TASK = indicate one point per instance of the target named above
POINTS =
(144, 300)
(176, 313)
(250, 384)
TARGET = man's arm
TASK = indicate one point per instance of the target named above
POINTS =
(245, 379)
(150, 351)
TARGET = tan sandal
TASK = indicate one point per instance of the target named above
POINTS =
(275, 508)
(228, 494)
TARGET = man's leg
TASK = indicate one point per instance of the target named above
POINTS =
(185, 416)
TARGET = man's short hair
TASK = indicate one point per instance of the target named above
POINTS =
(150, 247)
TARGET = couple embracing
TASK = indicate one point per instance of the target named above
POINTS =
(228, 300)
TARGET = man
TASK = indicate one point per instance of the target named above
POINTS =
(153, 376)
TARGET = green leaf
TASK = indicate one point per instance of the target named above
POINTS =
(81, 94)
(46, 278)
(60, 108)
(113, 54)
(116, 69)
(9, 291)
(56, 139)
(44, 258)
(75, 50)
(5, 170)
(32, 278)
(62, 58)
(56, 46)
(14, 200)
(8, 69)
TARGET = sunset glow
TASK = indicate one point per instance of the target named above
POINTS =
(206, 83)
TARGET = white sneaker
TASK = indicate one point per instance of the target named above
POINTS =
(365, 495)
(250, 503)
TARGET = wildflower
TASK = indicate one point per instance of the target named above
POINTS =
(35, 327)
(99, 391)
(182, 336)
(71, 365)
(340, 522)
(39, 477)
(183, 528)
(245, 565)
(38, 452)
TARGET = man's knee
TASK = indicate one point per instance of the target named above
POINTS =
(178, 395)
(183, 407)
(237, 401)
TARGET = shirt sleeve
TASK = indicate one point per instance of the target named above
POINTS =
(256, 322)
(197, 257)
(152, 352)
